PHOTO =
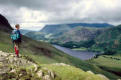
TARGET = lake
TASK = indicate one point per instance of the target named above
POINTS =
(83, 55)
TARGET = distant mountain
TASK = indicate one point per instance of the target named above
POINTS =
(78, 34)
(98, 25)
(56, 27)
(4, 24)
(53, 29)
(69, 32)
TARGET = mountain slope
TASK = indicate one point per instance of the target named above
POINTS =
(110, 39)
(78, 34)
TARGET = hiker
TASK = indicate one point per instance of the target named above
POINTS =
(16, 38)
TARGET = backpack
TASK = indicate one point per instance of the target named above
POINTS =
(15, 35)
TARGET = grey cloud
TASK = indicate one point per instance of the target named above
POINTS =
(66, 11)
(49, 5)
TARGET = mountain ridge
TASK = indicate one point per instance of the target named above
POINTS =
(4, 24)
(81, 24)
(72, 25)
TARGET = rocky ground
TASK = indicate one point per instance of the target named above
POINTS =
(13, 68)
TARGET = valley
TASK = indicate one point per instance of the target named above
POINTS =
(43, 53)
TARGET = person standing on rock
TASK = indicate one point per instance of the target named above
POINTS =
(16, 38)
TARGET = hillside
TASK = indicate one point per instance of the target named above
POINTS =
(110, 39)
(13, 68)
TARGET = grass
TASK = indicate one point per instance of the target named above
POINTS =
(71, 73)
(108, 61)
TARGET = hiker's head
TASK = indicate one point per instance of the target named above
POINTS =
(17, 26)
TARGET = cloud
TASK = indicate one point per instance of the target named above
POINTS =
(42, 12)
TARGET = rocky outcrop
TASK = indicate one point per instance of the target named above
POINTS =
(9, 59)
(46, 74)
(22, 68)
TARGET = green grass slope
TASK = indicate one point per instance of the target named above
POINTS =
(67, 72)
(108, 63)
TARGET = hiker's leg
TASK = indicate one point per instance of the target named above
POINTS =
(17, 49)
(17, 46)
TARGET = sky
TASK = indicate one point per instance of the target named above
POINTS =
(35, 14)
